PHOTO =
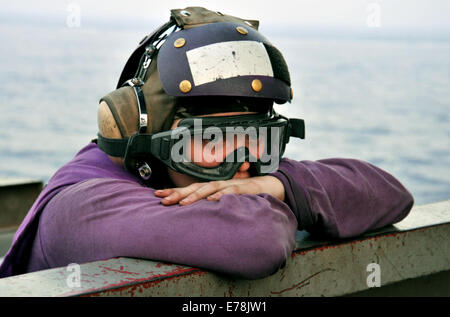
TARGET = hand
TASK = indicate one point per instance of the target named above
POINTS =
(216, 189)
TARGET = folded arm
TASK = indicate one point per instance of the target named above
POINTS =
(341, 198)
(244, 235)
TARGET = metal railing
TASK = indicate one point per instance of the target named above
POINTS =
(417, 247)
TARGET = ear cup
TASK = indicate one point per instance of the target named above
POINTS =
(123, 105)
(160, 106)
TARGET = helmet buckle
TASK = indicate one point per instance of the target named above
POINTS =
(145, 171)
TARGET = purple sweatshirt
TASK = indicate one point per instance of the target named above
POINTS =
(92, 209)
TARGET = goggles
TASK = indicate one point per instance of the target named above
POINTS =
(210, 148)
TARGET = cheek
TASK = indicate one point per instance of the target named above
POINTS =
(256, 147)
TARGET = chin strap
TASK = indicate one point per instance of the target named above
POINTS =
(151, 44)
(136, 60)
(116, 147)
(136, 84)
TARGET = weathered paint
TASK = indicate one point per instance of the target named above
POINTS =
(16, 197)
(415, 247)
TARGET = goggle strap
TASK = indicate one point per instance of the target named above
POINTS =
(297, 128)
(113, 147)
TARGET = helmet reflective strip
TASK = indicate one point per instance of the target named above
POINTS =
(228, 59)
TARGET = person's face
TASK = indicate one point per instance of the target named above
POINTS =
(212, 158)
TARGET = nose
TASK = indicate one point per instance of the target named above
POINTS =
(243, 171)
(244, 167)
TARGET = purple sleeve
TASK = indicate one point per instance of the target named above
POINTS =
(342, 198)
(249, 236)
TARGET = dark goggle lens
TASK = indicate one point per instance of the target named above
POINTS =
(220, 154)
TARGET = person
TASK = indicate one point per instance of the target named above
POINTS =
(137, 191)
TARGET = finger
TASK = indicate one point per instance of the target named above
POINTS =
(164, 192)
(233, 189)
(204, 191)
(178, 194)
(246, 186)
(208, 189)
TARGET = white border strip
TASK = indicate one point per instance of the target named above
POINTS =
(228, 59)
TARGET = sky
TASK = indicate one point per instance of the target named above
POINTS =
(409, 14)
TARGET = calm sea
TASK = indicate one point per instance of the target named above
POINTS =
(383, 100)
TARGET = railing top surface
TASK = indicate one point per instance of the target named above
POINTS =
(118, 273)
(420, 217)
(6, 182)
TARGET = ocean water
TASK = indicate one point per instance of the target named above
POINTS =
(382, 100)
